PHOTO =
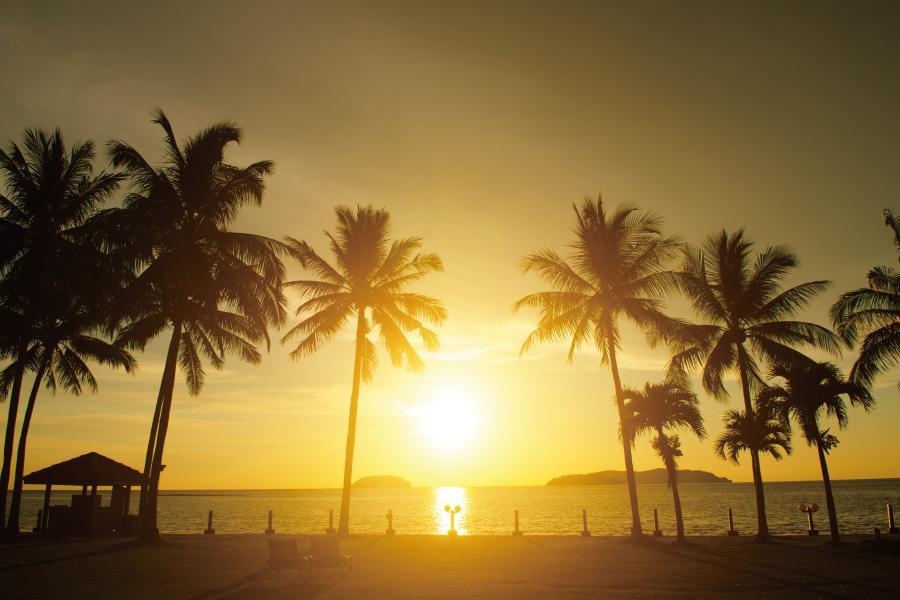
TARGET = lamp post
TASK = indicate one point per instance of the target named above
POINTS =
(809, 509)
(452, 512)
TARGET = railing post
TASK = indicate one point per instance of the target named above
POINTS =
(270, 530)
(330, 529)
(731, 531)
(40, 521)
(892, 527)
(584, 532)
(656, 531)
(209, 527)
(390, 520)
(516, 530)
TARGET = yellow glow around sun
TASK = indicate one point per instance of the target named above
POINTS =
(450, 419)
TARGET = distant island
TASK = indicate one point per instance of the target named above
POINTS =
(382, 481)
(651, 476)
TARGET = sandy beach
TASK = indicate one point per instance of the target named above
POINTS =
(546, 567)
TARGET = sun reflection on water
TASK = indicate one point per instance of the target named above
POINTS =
(453, 496)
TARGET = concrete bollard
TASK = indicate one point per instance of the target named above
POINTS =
(270, 530)
(892, 527)
(330, 529)
(516, 530)
(656, 531)
(731, 531)
(209, 527)
(390, 520)
(584, 532)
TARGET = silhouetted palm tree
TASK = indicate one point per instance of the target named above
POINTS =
(60, 356)
(746, 312)
(811, 390)
(46, 267)
(658, 408)
(218, 290)
(875, 312)
(614, 269)
(760, 431)
(367, 282)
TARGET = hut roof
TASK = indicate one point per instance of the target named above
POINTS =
(88, 469)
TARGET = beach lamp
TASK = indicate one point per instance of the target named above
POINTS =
(809, 509)
(452, 512)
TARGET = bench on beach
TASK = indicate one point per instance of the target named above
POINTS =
(325, 554)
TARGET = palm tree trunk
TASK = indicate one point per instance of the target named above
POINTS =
(762, 524)
(829, 497)
(12, 528)
(149, 529)
(673, 484)
(151, 442)
(626, 435)
(12, 415)
(344, 521)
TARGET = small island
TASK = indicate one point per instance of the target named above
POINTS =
(381, 481)
(649, 476)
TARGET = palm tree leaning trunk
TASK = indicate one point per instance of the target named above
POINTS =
(762, 522)
(829, 496)
(12, 527)
(615, 269)
(9, 437)
(344, 520)
(667, 448)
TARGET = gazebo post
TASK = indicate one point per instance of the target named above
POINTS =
(127, 502)
(46, 515)
(84, 490)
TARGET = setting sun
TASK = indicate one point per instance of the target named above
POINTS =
(450, 420)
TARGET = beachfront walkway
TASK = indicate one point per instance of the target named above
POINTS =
(230, 566)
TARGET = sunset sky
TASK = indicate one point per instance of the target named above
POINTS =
(477, 125)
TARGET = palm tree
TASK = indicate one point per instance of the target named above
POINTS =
(875, 312)
(60, 356)
(809, 391)
(218, 290)
(759, 431)
(368, 282)
(614, 269)
(746, 317)
(658, 408)
(50, 194)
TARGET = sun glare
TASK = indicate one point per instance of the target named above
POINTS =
(450, 420)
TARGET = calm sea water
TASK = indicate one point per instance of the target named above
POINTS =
(542, 510)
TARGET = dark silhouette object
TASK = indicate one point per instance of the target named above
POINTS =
(585, 532)
(657, 532)
(331, 530)
(809, 509)
(657, 408)
(54, 282)
(614, 270)
(517, 531)
(85, 516)
(390, 525)
(746, 321)
(209, 525)
(731, 530)
(283, 554)
(809, 391)
(217, 289)
(648, 476)
(453, 511)
(367, 282)
(892, 527)
(874, 312)
(762, 430)
(270, 530)
(325, 553)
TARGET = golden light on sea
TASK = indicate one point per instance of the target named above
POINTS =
(452, 497)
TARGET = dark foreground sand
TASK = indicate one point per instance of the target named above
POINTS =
(231, 566)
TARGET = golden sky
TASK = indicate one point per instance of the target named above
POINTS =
(477, 125)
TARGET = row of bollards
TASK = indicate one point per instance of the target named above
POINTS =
(808, 509)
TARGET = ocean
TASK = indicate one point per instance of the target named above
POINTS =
(543, 510)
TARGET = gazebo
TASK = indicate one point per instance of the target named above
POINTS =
(86, 516)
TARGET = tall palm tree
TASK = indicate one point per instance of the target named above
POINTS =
(874, 312)
(367, 282)
(761, 431)
(658, 408)
(747, 321)
(51, 191)
(60, 355)
(811, 390)
(614, 269)
(218, 290)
